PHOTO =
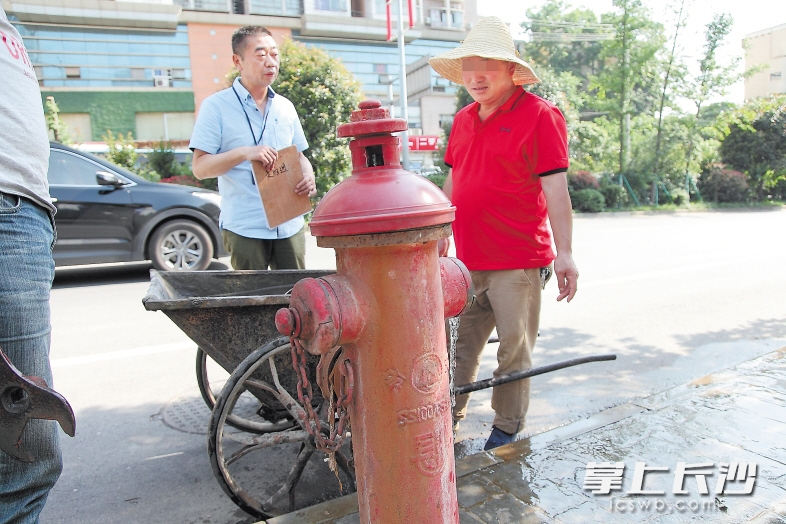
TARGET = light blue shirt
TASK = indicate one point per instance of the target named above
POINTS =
(221, 126)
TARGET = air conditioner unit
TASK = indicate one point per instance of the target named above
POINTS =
(162, 81)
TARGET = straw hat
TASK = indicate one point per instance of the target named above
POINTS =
(490, 38)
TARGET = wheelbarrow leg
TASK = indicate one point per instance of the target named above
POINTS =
(306, 450)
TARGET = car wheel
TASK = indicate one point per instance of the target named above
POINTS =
(180, 245)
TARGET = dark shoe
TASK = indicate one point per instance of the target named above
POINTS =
(498, 438)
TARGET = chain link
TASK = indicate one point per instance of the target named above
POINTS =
(337, 408)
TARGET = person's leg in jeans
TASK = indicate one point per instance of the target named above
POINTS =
(26, 274)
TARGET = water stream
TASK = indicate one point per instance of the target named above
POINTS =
(454, 325)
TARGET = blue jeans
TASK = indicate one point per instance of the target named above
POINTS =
(26, 274)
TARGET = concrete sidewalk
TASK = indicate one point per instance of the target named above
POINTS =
(734, 416)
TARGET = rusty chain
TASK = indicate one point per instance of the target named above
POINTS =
(338, 408)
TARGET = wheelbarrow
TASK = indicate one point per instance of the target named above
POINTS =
(230, 316)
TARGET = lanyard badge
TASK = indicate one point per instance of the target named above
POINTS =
(250, 127)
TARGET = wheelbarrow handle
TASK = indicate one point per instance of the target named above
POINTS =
(504, 379)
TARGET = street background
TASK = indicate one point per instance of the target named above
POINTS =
(675, 295)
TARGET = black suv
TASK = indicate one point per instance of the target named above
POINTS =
(108, 214)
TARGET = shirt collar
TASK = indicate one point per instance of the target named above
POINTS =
(245, 95)
(507, 106)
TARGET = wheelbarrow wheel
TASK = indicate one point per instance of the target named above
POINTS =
(206, 390)
(237, 457)
(202, 380)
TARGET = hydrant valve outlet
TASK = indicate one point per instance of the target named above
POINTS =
(288, 322)
(457, 286)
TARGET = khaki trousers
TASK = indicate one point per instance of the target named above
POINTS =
(510, 301)
(259, 253)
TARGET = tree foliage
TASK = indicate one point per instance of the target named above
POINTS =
(122, 152)
(324, 93)
(755, 143)
(624, 100)
(714, 78)
(53, 123)
(579, 58)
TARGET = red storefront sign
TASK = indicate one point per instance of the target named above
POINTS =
(424, 143)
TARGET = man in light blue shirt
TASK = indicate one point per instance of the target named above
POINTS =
(249, 121)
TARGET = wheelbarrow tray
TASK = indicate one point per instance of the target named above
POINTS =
(228, 314)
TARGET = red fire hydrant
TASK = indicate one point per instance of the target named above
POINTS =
(385, 308)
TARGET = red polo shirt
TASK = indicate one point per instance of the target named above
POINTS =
(497, 164)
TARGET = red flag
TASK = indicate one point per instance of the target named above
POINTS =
(411, 14)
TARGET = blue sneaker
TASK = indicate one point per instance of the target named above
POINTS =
(498, 438)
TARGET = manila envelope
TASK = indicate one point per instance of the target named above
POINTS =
(277, 187)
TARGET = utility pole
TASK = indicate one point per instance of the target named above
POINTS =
(403, 86)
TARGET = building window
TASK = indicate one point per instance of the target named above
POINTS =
(219, 6)
(79, 126)
(458, 18)
(381, 69)
(330, 5)
(439, 18)
(276, 7)
(164, 126)
(445, 120)
(74, 56)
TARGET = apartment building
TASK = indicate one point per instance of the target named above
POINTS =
(144, 66)
(768, 48)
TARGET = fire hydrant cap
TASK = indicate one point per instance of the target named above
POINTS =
(288, 322)
(378, 198)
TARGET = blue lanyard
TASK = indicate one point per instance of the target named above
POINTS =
(250, 128)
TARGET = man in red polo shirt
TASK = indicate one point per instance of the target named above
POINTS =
(508, 154)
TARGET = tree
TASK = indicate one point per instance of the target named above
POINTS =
(53, 122)
(324, 93)
(162, 160)
(714, 79)
(122, 152)
(681, 21)
(564, 41)
(629, 82)
(755, 143)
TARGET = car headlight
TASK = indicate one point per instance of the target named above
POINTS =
(214, 198)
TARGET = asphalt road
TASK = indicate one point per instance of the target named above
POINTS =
(675, 296)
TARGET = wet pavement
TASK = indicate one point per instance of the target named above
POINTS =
(687, 438)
